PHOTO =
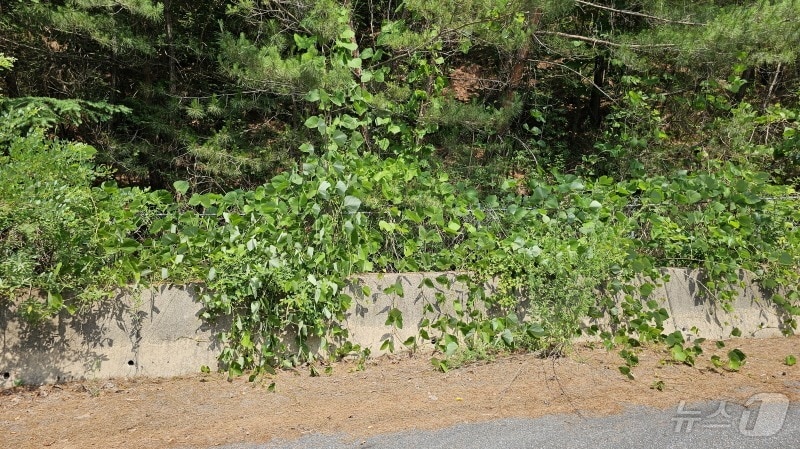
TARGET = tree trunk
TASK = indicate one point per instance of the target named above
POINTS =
(594, 100)
(772, 85)
(12, 89)
(518, 65)
(173, 74)
(748, 75)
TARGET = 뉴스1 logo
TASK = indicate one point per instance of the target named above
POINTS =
(763, 416)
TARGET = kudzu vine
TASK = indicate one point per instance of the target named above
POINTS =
(276, 260)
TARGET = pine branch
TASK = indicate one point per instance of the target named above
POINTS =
(441, 33)
(638, 14)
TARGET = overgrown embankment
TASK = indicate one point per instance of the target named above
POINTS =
(277, 257)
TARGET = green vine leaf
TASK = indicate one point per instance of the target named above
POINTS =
(181, 187)
(351, 204)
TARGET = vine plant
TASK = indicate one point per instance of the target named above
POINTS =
(276, 260)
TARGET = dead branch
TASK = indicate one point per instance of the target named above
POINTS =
(596, 41)
(638, 14)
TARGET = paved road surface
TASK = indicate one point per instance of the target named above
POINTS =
(769, 422)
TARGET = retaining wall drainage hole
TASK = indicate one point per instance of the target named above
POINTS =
(130, 362)
(6, 375)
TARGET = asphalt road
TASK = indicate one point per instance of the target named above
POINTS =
(769, 421)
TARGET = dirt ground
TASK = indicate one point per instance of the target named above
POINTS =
(391, 394)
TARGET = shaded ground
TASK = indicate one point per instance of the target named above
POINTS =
(392, 394)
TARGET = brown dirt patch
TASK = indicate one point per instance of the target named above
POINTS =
(392, 394)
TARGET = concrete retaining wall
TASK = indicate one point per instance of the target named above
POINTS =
(752, 312)
(161, 332)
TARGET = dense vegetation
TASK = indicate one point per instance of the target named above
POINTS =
(271, 149)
